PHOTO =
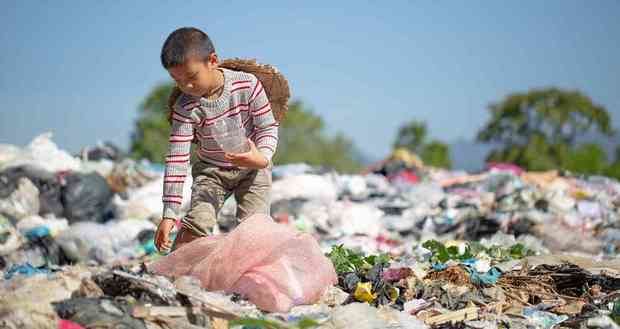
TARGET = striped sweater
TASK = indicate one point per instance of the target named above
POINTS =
(243, 98)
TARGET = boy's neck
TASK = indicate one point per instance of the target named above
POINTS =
(216, 91)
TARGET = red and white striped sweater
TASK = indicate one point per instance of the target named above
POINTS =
(243, 98)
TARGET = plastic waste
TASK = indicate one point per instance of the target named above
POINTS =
(10, 240)
(404, 178)
(415, 305)
(93, 312)
(401, 320)
(115, 240)
(363, 292)
(560, 203)
(602, 321)
(316, 214)
(483, 279)
(271, 264)
(145, 201)
(48, 186)
(364, 316)
(292, 169)
(355, 218)
(128, 174)
(23, 201)
(589, 209)
(26, 301)
(43, 153)
(102, 167)
(397, 223)
(504, 167)
(394, 274)
(353, 187)
(24, 269)
(8, 153)
(378, 185)
(102, 151)
(356, 315)
(424, 193)
(66, 324)
(542, 319)
(52, 225)
(86, 197)
(37, 232)
(315, 187)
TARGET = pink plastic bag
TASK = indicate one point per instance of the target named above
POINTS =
(507, 167)
(271, 264)
(66, 324)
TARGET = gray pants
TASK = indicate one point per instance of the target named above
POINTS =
(213, 185)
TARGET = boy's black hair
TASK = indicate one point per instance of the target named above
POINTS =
(183, 43)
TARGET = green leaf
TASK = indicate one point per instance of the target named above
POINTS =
(440, 253)
(306, 323)
(473, 250)
(453, 252)
(256, 323)
(468, 253)
(382, 258)
(346, 260)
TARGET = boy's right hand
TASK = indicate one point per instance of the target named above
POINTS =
(162, 240)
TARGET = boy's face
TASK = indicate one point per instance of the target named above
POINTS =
(196, 77)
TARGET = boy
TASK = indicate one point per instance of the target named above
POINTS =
(210, 93)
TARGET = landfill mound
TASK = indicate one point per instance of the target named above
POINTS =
(410, 246)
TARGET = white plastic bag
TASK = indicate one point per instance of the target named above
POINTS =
(43, 153)
(23, 202)
(310, 187)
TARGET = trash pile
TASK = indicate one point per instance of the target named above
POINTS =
(56, 209)
(400, 246)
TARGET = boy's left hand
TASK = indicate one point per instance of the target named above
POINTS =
(251, 159)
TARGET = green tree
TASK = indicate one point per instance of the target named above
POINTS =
(613, 170)
(303, 139)
(437, 154)
(587, 159)
(150, 137)
(540, 129)
(302, 136)
(412, 136)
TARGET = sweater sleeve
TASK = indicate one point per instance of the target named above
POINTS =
(177, 161)
(265, 132)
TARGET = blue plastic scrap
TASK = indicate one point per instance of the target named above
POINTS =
(24, 269)
(484, 279)
(541, 319)
(37, 232)
(479, 279)
(439, 266)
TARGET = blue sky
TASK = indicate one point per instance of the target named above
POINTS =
(81, 68)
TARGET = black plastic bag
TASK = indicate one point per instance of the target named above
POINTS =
(98, 313)
(86, 197)
(105, 150)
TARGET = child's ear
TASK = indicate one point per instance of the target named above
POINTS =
(213, 60)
